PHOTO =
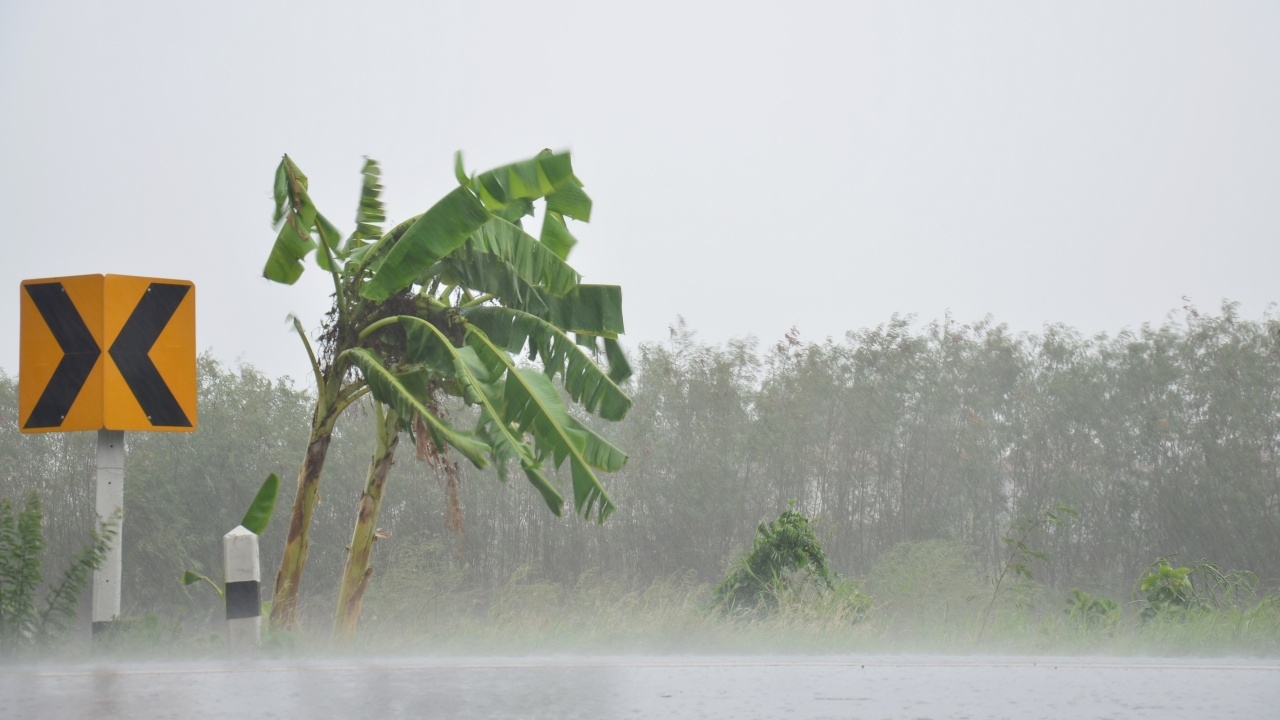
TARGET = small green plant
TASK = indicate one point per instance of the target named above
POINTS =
(785, 554)
(24, 622)
(1171, 591)
(1018, 563)
(1167, 589)
(1092, 612)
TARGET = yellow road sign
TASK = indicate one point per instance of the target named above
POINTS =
(111, 352)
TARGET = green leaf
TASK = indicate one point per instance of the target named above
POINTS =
(570, 201)
(284, 264)
(556, 236)
(370, 212)
(534, 405)
(552, 497)
(371, 257)
(439, 231)
(530, 179)
(585, 382)
(589, 309)
(301, 227)
(533, 261)
(600, 453)
(190, 578)
(476, 380)
(514, 210)
(488, 274)
(460, 170)
(619, 368)
(387, 389)
(259, 513)
(281, 192)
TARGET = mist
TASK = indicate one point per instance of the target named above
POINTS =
(915, 449)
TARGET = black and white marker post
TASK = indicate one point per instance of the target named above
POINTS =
(110, 506)
(243, 588)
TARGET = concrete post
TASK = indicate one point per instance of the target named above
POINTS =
(110, 504)
(243, 575)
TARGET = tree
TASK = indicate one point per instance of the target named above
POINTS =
(435, 308)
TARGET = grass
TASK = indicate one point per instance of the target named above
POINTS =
(923, 598)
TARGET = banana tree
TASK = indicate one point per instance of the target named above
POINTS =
(302, 230)
(436, 307)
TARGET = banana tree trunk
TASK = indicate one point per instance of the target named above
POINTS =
(356, 574)
(284, 598)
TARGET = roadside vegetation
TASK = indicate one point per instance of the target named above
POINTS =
(923, 459)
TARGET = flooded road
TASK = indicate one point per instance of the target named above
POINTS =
(601, 688)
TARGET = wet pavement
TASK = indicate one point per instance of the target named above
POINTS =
(680, 686)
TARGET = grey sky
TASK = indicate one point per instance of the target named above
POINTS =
(754, 166)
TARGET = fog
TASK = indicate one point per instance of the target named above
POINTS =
(919, 455)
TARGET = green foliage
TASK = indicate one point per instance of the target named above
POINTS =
(258, 516)
(1091, 612)
(24, 621)
(255, 520)
(452, 275)
(1173, 592)
(1167, 589)
(465, 253)
(785, 554)
(301, 228)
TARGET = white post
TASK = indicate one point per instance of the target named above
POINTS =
(243, 582)
(110, 505)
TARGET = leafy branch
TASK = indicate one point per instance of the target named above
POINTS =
(1018, 563)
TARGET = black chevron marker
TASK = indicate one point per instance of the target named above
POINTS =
(129, 351)
(79, 354)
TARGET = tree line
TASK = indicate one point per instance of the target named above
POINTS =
(1163, 438)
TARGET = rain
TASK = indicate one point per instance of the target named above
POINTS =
(704, 360)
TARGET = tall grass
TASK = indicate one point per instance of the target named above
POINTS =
(920, 597)
(926, 597)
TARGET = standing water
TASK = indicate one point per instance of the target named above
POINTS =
(604, 687)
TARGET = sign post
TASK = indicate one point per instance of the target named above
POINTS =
(145, 379)
(110, 504)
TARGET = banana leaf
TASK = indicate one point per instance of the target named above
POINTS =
(387, 389)
(585, 382)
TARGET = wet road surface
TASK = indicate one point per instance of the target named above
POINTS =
(603, 688)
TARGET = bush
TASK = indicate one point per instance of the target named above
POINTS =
(1175, 591)
(23, 621)
(1092, 612)
(785, 555)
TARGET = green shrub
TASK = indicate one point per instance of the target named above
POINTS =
(1092, 613)
(25, 622)
(1172, 592)
(785, 555)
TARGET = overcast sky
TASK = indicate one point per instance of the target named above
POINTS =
(754, 166)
